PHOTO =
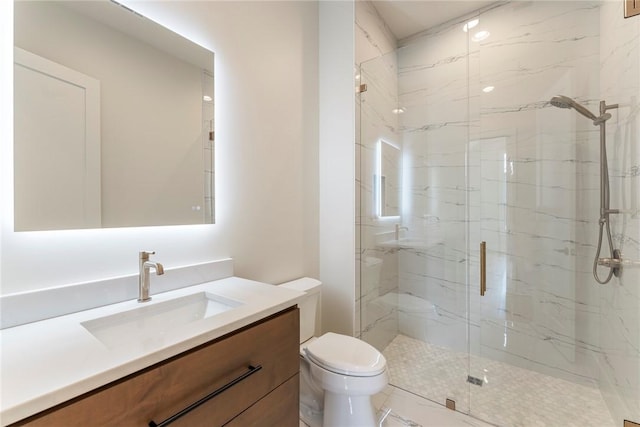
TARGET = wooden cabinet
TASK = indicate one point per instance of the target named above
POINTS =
(251, 373)
(278, 408)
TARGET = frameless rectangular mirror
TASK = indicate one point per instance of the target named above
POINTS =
(113, 120)
(388, 179)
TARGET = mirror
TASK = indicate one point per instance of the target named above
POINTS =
(388, 180)
(113, 120)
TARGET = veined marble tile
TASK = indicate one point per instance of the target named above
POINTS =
(620, 301)
(379, 323)
(534, 197)
(373, 37)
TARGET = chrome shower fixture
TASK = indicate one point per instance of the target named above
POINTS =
(615, 261)
(562, 101)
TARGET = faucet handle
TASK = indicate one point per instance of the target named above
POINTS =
(144, 255)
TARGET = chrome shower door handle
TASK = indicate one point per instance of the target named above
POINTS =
(483, 268)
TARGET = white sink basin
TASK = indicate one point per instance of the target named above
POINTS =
(151, 324)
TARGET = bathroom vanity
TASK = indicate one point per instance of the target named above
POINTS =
(238, 366)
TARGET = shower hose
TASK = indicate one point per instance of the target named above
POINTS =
(604, 213)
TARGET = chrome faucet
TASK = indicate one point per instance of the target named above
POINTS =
(398, 228)
(143, 276)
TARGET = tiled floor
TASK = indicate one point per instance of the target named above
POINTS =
(397, 407)
(401, 408)
(509, 396)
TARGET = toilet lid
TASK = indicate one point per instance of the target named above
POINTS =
(346, 355)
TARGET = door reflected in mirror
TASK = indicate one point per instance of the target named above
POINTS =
(388, 179)
(113, 120)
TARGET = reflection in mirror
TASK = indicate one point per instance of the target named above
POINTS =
(388, 179)
(113, 120)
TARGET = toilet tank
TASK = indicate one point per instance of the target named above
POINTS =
(308, 306)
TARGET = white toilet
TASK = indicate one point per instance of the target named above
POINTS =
(338, 373)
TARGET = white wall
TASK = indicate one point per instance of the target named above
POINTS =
(6, 112)
(266, 157)
(337, 163)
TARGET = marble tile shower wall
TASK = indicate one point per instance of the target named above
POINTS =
(433, 89)
(538, 170)
(532, 191)
(379, 263)
(619, 360)
(527, 171)
(376, 276)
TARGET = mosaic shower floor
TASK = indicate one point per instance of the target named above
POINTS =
(510, 396)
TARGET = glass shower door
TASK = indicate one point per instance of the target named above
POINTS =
(533, 334)
(486, 158)
(522, 330)
(413, 265)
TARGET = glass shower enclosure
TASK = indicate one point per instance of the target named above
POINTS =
(459, 145)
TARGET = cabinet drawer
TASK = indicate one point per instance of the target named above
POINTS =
(158, 392)
(279, 408)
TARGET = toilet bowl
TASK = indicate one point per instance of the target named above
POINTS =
(338, 373)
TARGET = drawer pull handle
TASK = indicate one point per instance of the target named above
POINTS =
(252, 370)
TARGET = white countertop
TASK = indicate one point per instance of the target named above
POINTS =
(51, 361)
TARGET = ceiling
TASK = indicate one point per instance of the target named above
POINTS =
(407, 17)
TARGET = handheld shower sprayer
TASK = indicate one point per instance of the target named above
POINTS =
(562, 101)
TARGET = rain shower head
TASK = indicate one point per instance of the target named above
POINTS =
(562, 101)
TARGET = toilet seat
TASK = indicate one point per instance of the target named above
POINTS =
(346, 355)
